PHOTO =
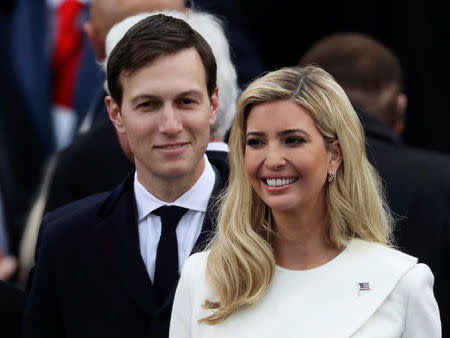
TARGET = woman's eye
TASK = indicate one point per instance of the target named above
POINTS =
(253, 142)
(295, 140)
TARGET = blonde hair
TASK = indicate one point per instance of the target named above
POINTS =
(241, 263)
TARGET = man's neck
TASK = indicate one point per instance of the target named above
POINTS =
(169, 189)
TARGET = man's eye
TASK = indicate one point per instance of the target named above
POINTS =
(147, 105)
(254, 142)
(186, 101)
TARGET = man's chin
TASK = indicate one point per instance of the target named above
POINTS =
(175, 172)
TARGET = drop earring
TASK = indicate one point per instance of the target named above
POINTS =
(331, 177)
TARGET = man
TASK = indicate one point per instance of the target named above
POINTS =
(99, 148)
(211, 29)
(417, 182)
(80, 169)
(77, 171)
(105, 262)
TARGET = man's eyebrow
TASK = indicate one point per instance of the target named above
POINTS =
(193, 92)
(140, 97)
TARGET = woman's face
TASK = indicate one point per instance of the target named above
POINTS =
(285, 157)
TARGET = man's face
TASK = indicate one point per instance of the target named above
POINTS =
(166, 115)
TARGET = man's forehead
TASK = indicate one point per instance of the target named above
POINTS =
(180, 71)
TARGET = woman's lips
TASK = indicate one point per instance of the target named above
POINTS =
(278, 183)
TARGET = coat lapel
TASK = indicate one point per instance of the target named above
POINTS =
(212, 210)
(368, 274)
(119, 242)
(118, 234)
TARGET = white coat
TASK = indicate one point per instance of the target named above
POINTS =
(368, 290)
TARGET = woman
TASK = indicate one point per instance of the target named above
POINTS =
(302, 247)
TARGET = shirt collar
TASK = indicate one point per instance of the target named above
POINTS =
(196, 198)
(218, 146)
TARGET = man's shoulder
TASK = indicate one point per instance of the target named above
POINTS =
(72, 220)
(409, 162)
(84, 213)
(87, 207)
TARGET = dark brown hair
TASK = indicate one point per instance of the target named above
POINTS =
(150, 38)
(355, 61)
(369, 72)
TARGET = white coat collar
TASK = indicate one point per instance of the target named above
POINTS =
(362, 262)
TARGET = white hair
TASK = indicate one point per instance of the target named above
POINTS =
(211, 30)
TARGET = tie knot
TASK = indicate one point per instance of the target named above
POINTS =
(170, 215)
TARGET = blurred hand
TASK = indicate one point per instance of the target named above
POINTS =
(8, 265)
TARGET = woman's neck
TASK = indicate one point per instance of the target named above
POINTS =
(301, 240)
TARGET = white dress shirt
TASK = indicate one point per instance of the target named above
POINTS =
(189, 227)
(218, 146)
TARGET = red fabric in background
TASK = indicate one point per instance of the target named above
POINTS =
(67, 55)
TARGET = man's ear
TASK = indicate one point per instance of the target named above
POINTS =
(214, 101)
(401, 106)
(114, 114)
(336, 156)
(96, 39)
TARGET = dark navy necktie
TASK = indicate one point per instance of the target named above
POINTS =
(166, 267)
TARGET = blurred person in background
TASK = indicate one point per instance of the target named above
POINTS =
(416, 181)
(21, 156)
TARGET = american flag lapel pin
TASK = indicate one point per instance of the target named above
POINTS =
(364, 286)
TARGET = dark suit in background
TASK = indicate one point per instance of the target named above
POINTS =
(21, 153)
(90, 274)
(418, 189)
(93, 163)
(12, 302)
(246, 57)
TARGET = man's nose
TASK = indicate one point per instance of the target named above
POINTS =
(170, 121)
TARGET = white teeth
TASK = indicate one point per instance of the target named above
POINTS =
(173, 147)
(278, 182)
